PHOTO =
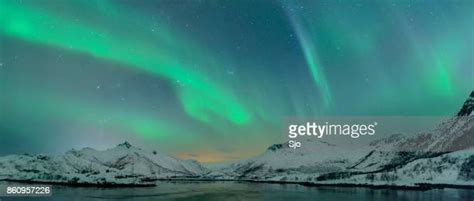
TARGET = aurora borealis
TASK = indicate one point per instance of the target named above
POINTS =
(213, 80)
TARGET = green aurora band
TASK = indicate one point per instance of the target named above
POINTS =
(200, 97)
(310, 55)
(215, 80)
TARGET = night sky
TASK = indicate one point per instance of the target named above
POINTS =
(214, 80)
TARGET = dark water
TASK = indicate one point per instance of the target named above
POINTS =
(218, 191)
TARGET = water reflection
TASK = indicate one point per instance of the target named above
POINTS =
(217, 191)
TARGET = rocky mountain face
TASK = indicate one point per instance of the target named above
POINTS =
(468, 107)
(121, 165)
(458, 132)
(443, 156)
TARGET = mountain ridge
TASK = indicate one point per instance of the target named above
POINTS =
(444, 156)
(123, 164)
(387, 161)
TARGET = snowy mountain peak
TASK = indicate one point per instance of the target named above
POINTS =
(125, 144)
(468, 107)
(121, 165)
(275, 147)
(444, 155)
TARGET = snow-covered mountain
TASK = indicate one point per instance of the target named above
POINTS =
(121, 165)
(315, 156)
(443, 156)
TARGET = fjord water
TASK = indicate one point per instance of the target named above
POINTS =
(226, 190)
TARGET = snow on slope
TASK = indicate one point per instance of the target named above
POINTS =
(315, 156)
(444, 154)
(454, 134)
(123, 164)
(456, 168)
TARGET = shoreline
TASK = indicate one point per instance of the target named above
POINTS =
(416, 187)
(100, 185)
